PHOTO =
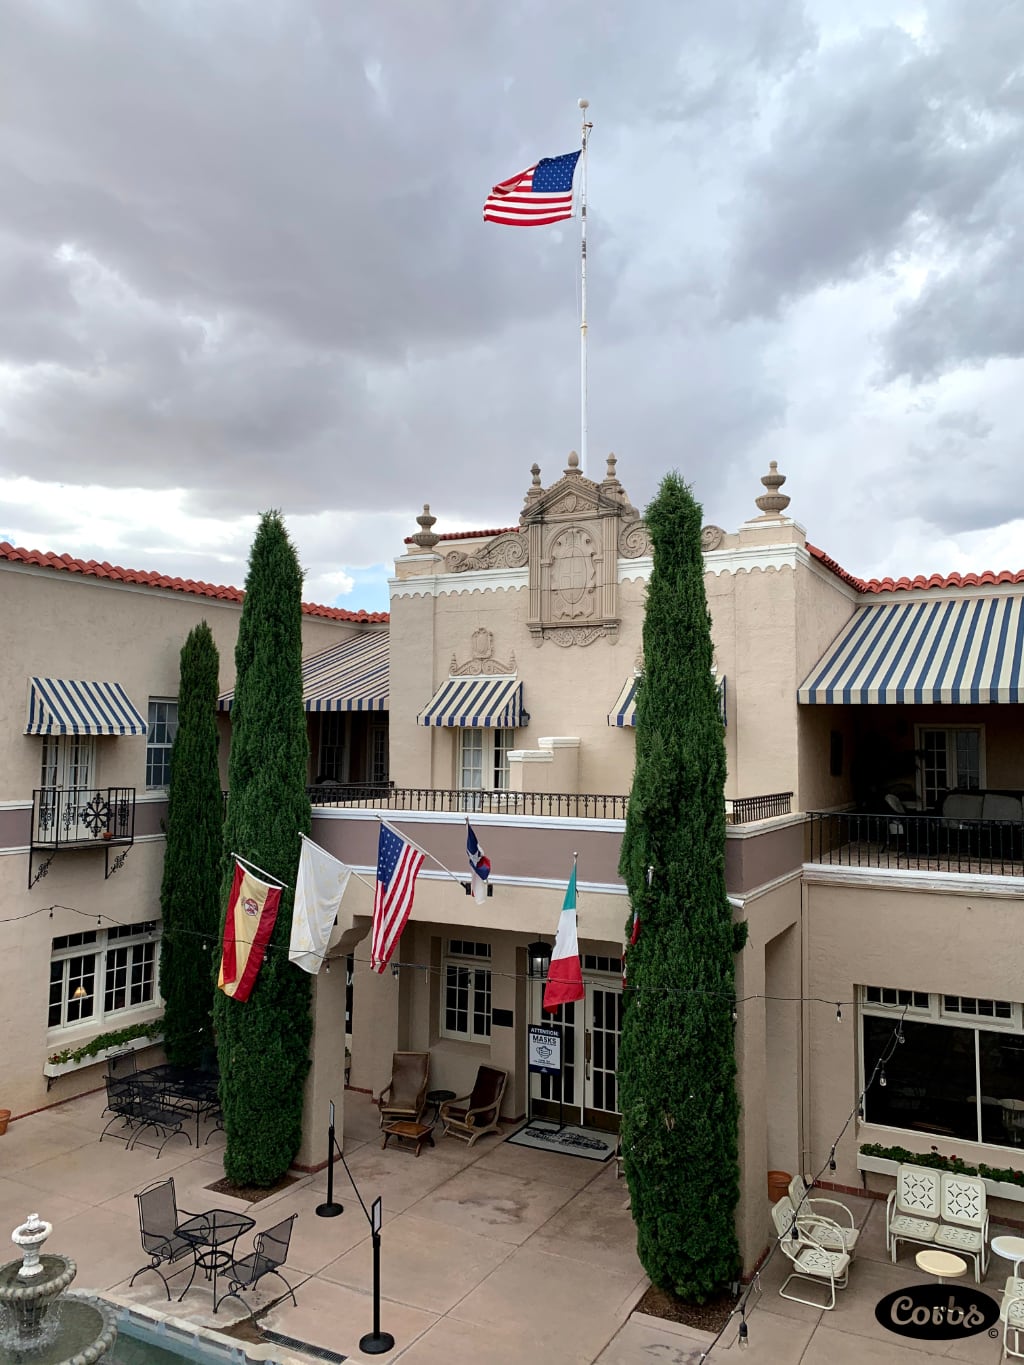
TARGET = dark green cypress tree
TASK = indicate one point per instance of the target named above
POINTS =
(190, 891)
(677, 1064)
(263, 1042)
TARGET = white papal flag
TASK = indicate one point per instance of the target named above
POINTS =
(319, 888)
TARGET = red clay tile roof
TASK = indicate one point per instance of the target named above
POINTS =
(470, 535)
(935, 580)
(91, 568)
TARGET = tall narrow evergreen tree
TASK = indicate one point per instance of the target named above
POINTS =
(263, 1043)
(677, 1063)
(190, 891)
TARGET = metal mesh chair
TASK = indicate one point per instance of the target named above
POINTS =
(270, 1251)
(159, 1217)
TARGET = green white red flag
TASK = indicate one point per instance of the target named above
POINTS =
(565, 974)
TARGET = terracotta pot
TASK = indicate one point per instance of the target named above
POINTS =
(5, 1118)
(778, 1185)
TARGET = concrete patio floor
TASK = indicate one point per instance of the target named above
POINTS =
(500, 1252)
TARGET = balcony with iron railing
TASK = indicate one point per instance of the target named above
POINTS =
(904, 841)
(81, 817)
(580, 805)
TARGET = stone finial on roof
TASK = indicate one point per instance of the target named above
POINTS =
(573, 467)
(535, 490)
(773, 503)
(425, 537)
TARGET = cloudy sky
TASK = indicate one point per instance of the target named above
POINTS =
(243, 265)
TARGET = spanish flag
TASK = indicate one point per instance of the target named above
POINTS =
(252, 911)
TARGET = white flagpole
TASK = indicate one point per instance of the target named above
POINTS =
(584, 106)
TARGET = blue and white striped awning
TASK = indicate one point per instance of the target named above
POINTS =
(477, 703)
(60, 706)
(350, 676)
(963, 651)
(623, 713)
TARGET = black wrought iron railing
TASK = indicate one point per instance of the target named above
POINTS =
(82, 816)
(747, 809)
(586, 805)
(922, 842)
(382, 796)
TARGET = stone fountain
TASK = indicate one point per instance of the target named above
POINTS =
(40, 1322)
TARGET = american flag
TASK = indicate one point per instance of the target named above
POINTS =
(542, 194)
(398, 862)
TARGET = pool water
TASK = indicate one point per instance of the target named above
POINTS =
(142, 1340)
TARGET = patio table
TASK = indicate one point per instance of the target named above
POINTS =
(198, 1089)
(213, 1236)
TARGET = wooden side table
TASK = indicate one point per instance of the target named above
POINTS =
(942, 1264)
(419, 1133)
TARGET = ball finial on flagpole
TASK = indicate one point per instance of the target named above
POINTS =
(584, 104)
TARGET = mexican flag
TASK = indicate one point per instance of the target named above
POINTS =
(252, 910)
(565, 974)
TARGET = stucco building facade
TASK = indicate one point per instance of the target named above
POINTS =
(854, 714)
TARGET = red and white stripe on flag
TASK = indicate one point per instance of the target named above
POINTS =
(252, 912)
(398, 862)
(515, 203)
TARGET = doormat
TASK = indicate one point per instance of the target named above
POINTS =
(572, 1140)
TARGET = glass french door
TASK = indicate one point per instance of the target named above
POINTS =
(590, 1030)
(67, 775)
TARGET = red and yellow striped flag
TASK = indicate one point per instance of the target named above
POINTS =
(252, 911)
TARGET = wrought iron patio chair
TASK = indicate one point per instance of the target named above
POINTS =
(159, 1218)
(811, 1261)
(153, 1109)
(270, 1251)
(468, 1117)
(122, 1106)
(405, 1095)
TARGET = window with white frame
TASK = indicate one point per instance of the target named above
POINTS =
(466, 991)
(959, 1071)
(161, 728)
(102, 973)
(68, 761)
(483, 759)
(949, 759)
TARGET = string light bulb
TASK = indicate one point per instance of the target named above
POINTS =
(832, 1159)
(881, 1077)
(899, 1036)
(839, 1013)
(743, 1336)
(735, 1014)
(395, 970)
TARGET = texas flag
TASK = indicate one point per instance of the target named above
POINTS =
(565, 974)
(248, 925)
(479, 866)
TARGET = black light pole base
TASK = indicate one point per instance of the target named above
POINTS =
(330, 1209)
(376, 1343)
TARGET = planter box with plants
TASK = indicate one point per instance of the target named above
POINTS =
(1000, 1182)
(103, 1046)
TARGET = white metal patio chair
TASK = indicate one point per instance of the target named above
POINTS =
(964, 1226)
(832, 1214)
(812, 1262)
(1011, 1315)
(912, 1208)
